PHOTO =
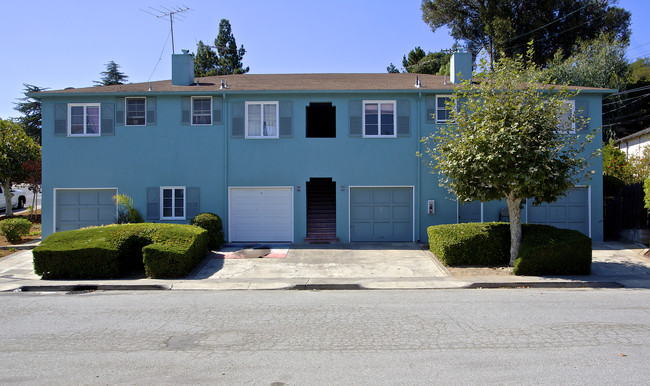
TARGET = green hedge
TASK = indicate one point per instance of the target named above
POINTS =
(212, 223)
(545, 250)
(163, 250)
(14, 228)
(471, 243)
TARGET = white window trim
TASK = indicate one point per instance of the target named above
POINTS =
(277, 119)
(363, 119)
(162, 217)
(192, 111)
(85, 106)
(438, 120)
(572, 113)
(126, 111)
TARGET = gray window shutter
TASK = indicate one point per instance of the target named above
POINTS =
(153, 203)
(286, 114)
(582, 111)
(356, 108)
(119, 111)
(430, 108)
(237, 114)
(186, 110)
(108, 114)
(192, 205)
(217, 107)
(151, 111)
(61, 119)
(403, 118)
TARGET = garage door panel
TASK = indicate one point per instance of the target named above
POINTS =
(569, 212)
(80, 208)
(261, 214)
(381, 214)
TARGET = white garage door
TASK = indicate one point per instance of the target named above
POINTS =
(570, 212)
(82, 208)
(260, 214)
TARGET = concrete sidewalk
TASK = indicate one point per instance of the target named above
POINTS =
(345, 266)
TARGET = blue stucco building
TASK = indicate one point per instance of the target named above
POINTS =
(287, 157)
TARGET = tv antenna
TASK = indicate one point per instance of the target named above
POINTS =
(164, 12)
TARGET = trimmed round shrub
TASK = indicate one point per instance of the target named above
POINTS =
(212, 223)
(15, 228)
(485, 244)
(546, 250)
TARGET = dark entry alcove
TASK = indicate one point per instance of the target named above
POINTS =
(321, 210)
(321, 120)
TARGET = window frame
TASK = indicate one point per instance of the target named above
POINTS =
(442, 96)
(571, 113)
(363, 118)
(173, 207)
(192, 99)
(126, 111)
(85, 118)
(277, 119)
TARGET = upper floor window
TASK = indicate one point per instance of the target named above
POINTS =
(321, 120)
(201, 110)
(262, 120)
(567, 123)
(379, 119)
(83, 119)
(442, 112)
(172, 203)
(136, 111)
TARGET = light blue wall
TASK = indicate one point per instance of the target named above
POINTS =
(169, 153)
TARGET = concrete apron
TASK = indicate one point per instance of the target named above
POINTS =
(365, 265)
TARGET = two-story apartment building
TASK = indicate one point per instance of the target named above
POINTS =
(279, 157)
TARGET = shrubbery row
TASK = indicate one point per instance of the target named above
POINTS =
(545, 250)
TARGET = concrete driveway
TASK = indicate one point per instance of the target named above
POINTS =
(364, 262)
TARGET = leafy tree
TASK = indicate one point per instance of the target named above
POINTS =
(205, 61)
(505, 26)
(33, 178)
(615, 163)
(507, 139)
(112, 75)
(595, 63)
(30, 108)
(391, 69)
(432, 63)
(15, 148)
(226, 60)
(629, 111)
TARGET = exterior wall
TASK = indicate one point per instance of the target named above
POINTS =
(171, 154)
(633, 147)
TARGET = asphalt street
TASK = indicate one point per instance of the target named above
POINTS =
(482, 336)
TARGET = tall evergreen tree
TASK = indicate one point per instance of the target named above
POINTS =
(227, 59)
(30, 108)
(112, 75)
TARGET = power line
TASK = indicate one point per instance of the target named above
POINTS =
(159, 58)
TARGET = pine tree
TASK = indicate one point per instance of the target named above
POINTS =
(112, 75)
(31, 110)
(227, 59)
(205, 61)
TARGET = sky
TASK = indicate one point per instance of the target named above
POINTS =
(58, 44)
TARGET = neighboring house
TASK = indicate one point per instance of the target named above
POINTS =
(633, 144)
(279, 157)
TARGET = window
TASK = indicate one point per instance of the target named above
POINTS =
(567, 121)
(136, 111)
(379, 119)
(262, 120)
(321, 120)
(172, 203)
(201, 110)
(83, 119)
(442, 113)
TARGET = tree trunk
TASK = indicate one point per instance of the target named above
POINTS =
(6, 189)
(515, 226)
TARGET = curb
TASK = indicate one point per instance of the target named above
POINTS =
(562, 284)
(90, 287)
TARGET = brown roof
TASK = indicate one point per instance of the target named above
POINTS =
(285, 82)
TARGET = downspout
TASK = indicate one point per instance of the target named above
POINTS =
(225, 167)
(418, 194)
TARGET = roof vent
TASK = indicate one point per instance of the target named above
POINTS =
(224, 84)
(418, 82)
